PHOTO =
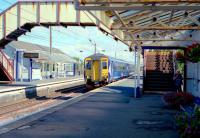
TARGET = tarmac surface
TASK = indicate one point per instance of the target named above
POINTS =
(107, 112)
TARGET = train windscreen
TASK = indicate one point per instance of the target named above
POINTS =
(88, 64)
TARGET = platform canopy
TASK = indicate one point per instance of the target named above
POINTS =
(148, 20)
(131, 21)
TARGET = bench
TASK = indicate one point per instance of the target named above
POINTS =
(190, 109)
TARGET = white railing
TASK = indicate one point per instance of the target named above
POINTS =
(6, 65)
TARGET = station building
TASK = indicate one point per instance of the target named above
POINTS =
(48, 65)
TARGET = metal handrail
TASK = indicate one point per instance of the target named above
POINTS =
(7, 65)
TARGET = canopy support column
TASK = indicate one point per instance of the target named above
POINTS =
(138, 72)
(135, 90)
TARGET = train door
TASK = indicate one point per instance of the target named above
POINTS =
(104, 69)
(95, 68)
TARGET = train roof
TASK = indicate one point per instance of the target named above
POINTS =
(99, 55)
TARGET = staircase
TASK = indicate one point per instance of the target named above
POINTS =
(158, 71)
(6, 68)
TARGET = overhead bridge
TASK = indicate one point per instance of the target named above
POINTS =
(22, 16)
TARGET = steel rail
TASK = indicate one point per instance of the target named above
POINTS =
(12, 108)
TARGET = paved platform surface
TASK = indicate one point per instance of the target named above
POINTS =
(109, 112)
(23, 85)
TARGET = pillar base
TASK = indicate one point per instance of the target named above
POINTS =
(138, 92)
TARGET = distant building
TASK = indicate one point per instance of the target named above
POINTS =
(54, 65)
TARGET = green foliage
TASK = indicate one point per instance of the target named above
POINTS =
(188, 125)
(180, 56)
(180, 66)
(180, 59)
(193, 53)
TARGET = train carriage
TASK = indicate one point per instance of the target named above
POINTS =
(101, 69)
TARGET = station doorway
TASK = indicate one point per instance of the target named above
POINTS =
(160, 66)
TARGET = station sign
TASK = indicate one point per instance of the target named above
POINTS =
(31, 55)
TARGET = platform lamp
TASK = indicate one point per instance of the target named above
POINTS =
(103, 50)
(125, 50)
(81, 56)
(81, 51)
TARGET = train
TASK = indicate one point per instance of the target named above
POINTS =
(102, 69)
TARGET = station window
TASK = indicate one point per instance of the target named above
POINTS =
(88, 64)
(104, 65)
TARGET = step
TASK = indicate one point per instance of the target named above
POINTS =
(158, 75)
(157, 89)
(157, 84)
(158, 78)
(165, 87)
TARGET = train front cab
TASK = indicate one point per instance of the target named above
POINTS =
(96, 71)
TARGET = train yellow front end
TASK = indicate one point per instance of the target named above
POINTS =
(96, 70)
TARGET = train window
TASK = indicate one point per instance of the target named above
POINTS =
(104, 65)
(88, 64)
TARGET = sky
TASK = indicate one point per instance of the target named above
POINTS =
(72, 40)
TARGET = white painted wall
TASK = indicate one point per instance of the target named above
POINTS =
(193, 78)
(193, 71)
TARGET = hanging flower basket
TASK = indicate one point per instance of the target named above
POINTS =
(193, 53)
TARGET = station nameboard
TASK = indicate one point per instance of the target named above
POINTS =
(31, 55)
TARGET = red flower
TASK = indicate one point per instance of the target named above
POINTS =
(193, 52)
(177, 99)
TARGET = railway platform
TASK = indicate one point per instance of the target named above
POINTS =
(106, 112)
(18, 91)
(8, 87)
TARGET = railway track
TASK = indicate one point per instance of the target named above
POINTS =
(36, 104)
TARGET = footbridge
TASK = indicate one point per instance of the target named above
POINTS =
(22, 16)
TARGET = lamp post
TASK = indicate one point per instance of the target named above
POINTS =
(135, 55)
(125, 50)
(95, 46)
(81, 51)
(50, 39)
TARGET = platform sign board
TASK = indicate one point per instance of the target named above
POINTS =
(31, 55)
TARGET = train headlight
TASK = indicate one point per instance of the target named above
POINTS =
(88, 77)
